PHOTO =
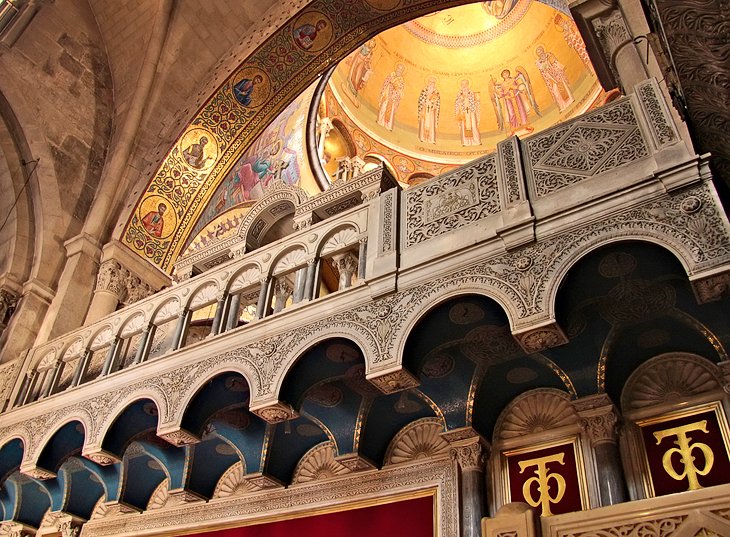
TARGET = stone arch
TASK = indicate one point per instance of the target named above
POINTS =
(20, 433)
(153, 393)
(294, 256)
(166, 311)
(104, 335)
(433, 298)
(191, 390)
(205, 293)
(75, 348)
(135, 322)
(46, 359)
(77, 414)
(280, 201)
(319, 334)
(580, 250)
(670, 377)
(338, 238)
(244, 277)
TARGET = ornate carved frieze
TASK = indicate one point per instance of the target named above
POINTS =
(655, 110)
(511, 176)
(599, 142)
(451, 202)
(388, 218)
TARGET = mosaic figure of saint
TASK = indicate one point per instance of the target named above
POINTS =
(429, 106)
(467, 112)
(153, 221)
(194, 154)
(513, 101)
(244, 89)
(573, 39)
(361, 67)
(499, 8)
(553, 73)
(390, 96)
(305, 34)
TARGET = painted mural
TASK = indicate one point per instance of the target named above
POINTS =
(278, 153)
(447, 87)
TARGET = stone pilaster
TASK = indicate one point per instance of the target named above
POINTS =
(600, 419)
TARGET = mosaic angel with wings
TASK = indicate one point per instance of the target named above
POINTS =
(513, 101)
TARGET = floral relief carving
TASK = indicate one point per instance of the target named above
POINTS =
(232, 483)
(387, 217)
(661, 527)
(662, 129)
(511, 170)
(452, 201)
(599, 142)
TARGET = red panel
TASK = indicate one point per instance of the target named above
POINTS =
(700, 432)
(562, 466)
(409, 518)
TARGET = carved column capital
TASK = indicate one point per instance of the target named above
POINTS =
(599, 418)
(471, 455)
(113, 279)
(711, 288)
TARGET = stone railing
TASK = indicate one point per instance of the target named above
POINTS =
(508, 225)
(698, 512)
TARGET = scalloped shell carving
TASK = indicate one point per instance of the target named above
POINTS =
(168, 311)
(134, 325)
(418, 440)
(159, 496)
(74, 349)
(232, 483)
(291, 260)
(536, 411)
(204, 295)
(318, 463)
(250, 276)
(47, 361)
(340, 240)
(102, 338)
(669, 378)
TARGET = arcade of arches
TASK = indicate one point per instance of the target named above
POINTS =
(421, 268)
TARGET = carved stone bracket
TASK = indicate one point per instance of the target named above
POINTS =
(263, 481)
(599, 418)
(541, 338)
(100, 456)
(355, 462)
(36, 472)
(183, 496)
(11, 528)
(394, 381)
(712, 287)
(178, 437)
(114, 509)
(275, 412)
(61, 523)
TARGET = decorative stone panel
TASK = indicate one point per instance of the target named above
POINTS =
(451, 201)
(599, 142)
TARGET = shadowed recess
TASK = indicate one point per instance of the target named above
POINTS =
(210, 459)
(289, 442)
(225, 391)
(137, 418)
(65, 442)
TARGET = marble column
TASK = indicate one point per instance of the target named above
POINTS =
(362, 258)
(470, 455)
(599, 419)
(263, 301)
(299, 285)
(234, 311)
(220, 308)
(111, 357)
(309, 285)
(144, 344)
(181, 330)
(81, 368)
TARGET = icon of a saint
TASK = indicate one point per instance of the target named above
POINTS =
(467, 112)
(429, 106)
(390, 96)
(244, 89)
(153, 221)
(305, 34)
(194, 154)
(361, 67)
(513, 101)
(553, 73)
